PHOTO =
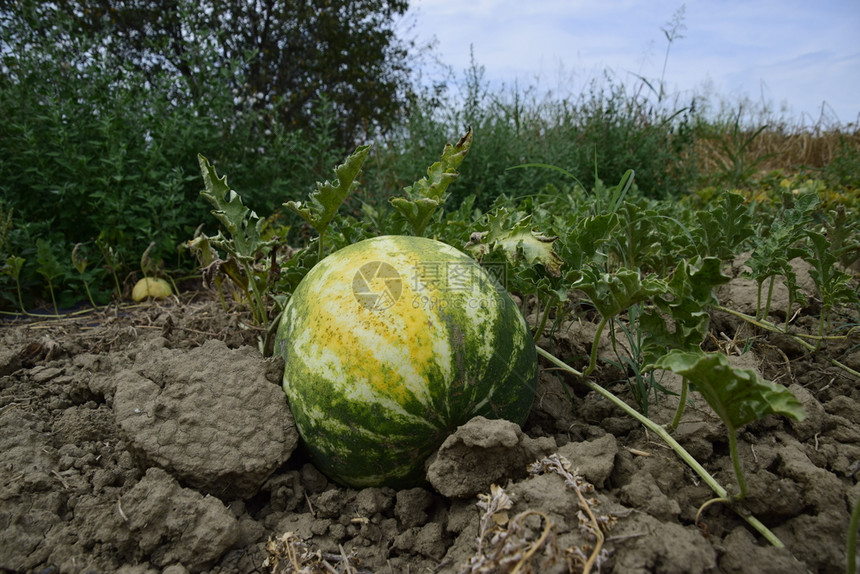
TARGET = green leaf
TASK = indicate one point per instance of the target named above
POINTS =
(49, 266)
(725, 226)
(775, 245)
(843, 234)
(518, 242)
(619, 192)
(243, 224)
(593, 232)
(416, 211)
(681, 317)
(738, 396)
(324, 201)
(834, 285)
(426, 195)
(13, 266)
(612, 293)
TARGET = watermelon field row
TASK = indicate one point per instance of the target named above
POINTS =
(643, 268)
(618, 289)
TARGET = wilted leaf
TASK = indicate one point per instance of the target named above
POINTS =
(517, 242)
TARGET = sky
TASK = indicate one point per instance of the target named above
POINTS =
(800, 58)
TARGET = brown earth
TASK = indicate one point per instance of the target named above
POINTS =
(154, 438)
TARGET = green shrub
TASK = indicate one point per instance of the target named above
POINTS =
(597, 137)
(97, 153)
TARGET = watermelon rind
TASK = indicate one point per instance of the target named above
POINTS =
(389, 345)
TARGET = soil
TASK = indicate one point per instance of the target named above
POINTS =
(155, 438)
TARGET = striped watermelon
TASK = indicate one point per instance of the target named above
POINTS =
(389, 345)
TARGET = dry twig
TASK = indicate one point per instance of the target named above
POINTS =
(591, 525)
(289, 554)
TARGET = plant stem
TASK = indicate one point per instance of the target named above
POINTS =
(822, 319)
(773, 328)
(769, 297)
(736, 462)
(116, 284)
(543, 319)
(89, 295)
(20, 299)
(681, 404)
(258, 307)
(851, 550)
(53, 299)
(592, 362)
(758, 299)
(663, 434)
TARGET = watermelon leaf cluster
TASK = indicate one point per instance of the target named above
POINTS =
(421, 200)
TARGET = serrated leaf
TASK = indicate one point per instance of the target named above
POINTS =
(326, 199)
(49, 265)
(725, 226)
(611, 293)
(594, 231)
(426, 195)
(443, 172)
(13, 266)
(229, 209)
(834, 285)
(417, 212)
(680, 318)
(774, 247)
(243, 224)
(520, 242)
(738, 396)
(842, 232)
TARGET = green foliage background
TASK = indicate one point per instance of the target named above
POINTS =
(105, 118)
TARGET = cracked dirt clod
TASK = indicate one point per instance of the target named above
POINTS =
(208, 416)
(481, 452)
(173, 524)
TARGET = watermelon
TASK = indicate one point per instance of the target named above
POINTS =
(389, 345)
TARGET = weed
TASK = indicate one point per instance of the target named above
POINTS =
(12, 268)
(49, 267)
(642, 383)
(80, 262)
(733, 152)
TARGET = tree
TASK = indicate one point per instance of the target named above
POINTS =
(287, 56)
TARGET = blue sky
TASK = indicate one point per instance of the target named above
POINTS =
(798, 56)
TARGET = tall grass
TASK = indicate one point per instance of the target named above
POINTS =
(675, 146)
(598, 135)
(766, 142)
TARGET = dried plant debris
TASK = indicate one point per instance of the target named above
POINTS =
(592, 525)
(290, 555)
(506, 545)
(513, 545)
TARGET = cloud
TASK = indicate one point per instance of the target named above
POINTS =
(790, 50)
